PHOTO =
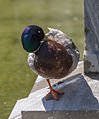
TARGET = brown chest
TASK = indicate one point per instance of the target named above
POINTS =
(52, 60)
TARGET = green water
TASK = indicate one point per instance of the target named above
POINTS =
(16, 78)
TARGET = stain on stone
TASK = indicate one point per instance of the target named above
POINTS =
(87, 64)
(86, 48)
(54, 85)
(86, 30)
(60, 82)
(93, 66)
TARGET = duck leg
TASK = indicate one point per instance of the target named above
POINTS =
(53, 92)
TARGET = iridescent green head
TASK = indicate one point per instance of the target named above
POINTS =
(32, 37)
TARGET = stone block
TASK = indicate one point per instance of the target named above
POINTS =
(61, 115)
(80, 101)
(91, 18)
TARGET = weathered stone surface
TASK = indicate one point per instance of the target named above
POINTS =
(81, 94)
(61, 115)
(91, 54)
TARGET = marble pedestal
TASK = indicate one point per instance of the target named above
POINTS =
(91, 53)
(80, 101)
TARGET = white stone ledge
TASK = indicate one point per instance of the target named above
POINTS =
(81, 94)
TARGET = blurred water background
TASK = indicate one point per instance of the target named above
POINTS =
(16, 78)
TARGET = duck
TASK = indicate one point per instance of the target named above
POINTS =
(52, 55)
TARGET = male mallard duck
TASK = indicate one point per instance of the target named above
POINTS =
(53, 56)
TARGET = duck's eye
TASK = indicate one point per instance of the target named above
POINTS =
(39, 31)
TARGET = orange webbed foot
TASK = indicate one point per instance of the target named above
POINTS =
(54, 94)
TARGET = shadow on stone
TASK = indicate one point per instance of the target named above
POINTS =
(94, 76)
(78, 96)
